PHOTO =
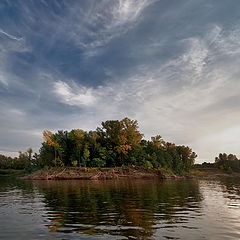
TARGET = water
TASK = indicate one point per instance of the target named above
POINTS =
(136, 209)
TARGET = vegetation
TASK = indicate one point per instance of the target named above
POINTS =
(205, 165)
(226, 162)
(116, 143)
(26, 160)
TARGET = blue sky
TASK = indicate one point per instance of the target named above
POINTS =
(171, 64)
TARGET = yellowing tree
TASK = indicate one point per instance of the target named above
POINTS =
(158, 141)
(48, 137)
(130, 132)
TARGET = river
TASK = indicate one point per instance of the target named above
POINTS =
(124, 209)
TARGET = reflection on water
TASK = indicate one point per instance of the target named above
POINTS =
(117, 208)
(136, 209)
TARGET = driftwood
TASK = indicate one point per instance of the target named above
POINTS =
(99, 174)
(54, 176)
(96, 177)
(105, 175)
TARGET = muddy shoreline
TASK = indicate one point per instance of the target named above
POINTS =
(82, 173)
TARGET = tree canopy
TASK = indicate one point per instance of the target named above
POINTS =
(116, 143)
(228, 162)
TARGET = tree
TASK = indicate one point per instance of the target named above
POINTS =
(49, 138)
(77, 137)
(85, 156)
(227, 162)
(29, 151)
(130, 131)
(158, 141)
(115, 143)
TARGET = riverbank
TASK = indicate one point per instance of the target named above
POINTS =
(212, 173)
(133, 172)
(83, 173)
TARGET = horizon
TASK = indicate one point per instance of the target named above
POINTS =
(172, 66)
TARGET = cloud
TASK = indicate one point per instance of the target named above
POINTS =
(226, 41)
(100, 22)
(10, 45)
(10, 36)
(128, 11)
(196, 56)
(4, 75)
(3, 78)
(76, 95)
(195, 73)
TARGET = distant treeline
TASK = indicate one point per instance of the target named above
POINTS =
(115, 143)
(224, 161)
(25, 160)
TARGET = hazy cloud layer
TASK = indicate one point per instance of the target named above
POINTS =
(173, 66)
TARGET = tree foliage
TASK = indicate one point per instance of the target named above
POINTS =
(228, 162)
(25, 160)
(115, 143)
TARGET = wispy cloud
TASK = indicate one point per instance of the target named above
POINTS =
(127, 11)
(75, 95)
(10, 46)
(10, 36)
(229, 44)
(101, 22)
(196, 69)
(3, 78)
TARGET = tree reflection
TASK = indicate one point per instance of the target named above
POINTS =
(124, 208)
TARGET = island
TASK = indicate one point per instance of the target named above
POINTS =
(115, 150)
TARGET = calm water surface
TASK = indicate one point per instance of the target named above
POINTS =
(145, 209)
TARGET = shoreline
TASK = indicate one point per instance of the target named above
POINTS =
(211, 173)
(125, 172)
(83, 173)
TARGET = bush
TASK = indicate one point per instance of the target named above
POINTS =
(148, 164)
(98, 162)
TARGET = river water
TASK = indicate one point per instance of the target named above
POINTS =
(126, 209)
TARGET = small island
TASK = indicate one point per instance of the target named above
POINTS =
(115, 150)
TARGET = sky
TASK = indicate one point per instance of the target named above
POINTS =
(173, 65)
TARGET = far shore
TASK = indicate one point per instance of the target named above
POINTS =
(212, 173)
